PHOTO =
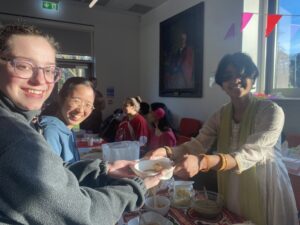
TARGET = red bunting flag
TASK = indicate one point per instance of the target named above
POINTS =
(246, 17)
(272, 20)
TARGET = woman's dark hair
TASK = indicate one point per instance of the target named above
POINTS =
(144, 108)
(168, 116)
(241, 62)
(53, 108)
(163, 124)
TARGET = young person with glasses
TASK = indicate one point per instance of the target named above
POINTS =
(35, 186)
(73, 105)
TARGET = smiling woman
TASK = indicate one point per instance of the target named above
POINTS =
(74, 105)
(251, 175)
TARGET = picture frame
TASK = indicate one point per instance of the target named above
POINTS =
(181, 54)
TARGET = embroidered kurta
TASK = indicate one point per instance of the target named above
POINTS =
(262, 148)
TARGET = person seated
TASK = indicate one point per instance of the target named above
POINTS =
(74, 105)
(168, 113)
(92, 124)
(110, 124)
(133, 127)
(161, 133)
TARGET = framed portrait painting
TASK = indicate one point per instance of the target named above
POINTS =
(181, 54)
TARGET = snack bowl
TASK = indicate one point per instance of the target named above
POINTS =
(208, 204)
(150, 218)
(146, 168)
(162, 204)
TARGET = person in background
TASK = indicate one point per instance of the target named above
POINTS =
(168, 113)
(161, 133)
(251, 175)
(110, 124)
(94, 121)
(134, 127)
(74, 105)
(36, 187)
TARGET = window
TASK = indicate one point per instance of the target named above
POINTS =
(74, 66)
(283, 51)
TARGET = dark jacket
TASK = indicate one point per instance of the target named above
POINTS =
(36, 188)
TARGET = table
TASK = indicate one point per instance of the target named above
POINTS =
(175, 215)
(190, 217)
(89, 150)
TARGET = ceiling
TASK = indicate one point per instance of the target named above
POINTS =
(138, 7)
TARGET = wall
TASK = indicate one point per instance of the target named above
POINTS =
(115, 41)
(217, 20)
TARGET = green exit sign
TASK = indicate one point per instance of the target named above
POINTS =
(50, 5)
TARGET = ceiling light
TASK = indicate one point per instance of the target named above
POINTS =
(93, 3)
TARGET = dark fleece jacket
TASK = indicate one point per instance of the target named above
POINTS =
(36, 188)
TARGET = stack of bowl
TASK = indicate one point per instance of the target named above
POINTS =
(159, 204)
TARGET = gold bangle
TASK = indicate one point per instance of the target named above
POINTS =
(168, 151)
(204, 156)
(223, 161)
(226, 163)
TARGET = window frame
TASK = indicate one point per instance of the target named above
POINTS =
(270, 62)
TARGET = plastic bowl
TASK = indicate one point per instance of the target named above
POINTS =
(208, 204)
(146, 168)
(181, 193)
(150, 218)
(162, 204)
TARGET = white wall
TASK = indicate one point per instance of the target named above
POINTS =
(116, 42)
(219, 15)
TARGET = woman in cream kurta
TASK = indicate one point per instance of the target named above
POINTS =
(252, 177)
(261, 148)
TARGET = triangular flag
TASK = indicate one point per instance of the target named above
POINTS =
(271, 22)
(294, 29)
(230, 33)
(246, 17)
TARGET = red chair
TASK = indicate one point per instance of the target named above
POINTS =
(180, 139)
(293, 140)
(189, 127)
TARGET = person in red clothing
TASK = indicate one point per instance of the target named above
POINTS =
(161, 134)
(134, 126)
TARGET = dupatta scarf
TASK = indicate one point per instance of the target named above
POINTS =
(251, 203)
